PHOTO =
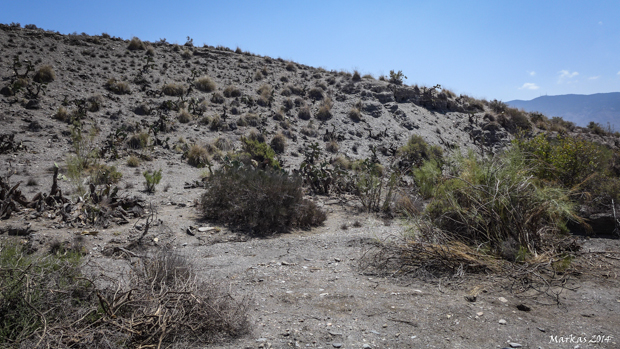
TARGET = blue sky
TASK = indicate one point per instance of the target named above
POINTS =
(487, 49)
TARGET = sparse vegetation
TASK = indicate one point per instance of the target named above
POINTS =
(151, 179)
(198, 156)
(118, 87)
(324, 112)
(135, 44)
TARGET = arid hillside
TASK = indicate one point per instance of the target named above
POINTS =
(157, 195)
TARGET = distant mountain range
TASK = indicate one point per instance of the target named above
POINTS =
(602, 108)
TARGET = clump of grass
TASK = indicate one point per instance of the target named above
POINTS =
(217, 98)
(138, 140)
(278, 143)
(184, 116)
(316, 94)
(232, 91)
(135, 44)
(416, 151)
(104, 174)
(249, 119)
(205, 84)
(324, 112)
(262, 202)
(172, 89)
(61, 114)
(198, 156)
(265, 93)
(133, 161)
(332, 146)
(223, 144)
(355, 114)
(356, 76)
(117, 87)
(45, 74)
(290, 66)
(304, 113)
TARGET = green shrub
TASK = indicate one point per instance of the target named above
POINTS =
(492, 201)
(263, 202)
(427, 177)
(397, 78)
(260, 152)
(104, 174)
(205, 84)
(416, 151)
(565, 160)
(26, 281)
(151, 180)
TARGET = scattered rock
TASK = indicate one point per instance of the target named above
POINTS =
(337, 345)
(502, 322)
(502, 299)
(523, 307)
(515, 345)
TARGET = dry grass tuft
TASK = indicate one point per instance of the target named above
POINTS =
(135, 44)
(172, 89)
(205, 84)
(45, 74)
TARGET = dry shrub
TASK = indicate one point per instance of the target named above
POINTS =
(304, 113)
(296, 90)
(223, 144)
(173, 89)
(263, 202)
(355, 115)
(45, 74)
(217, 98)
(117, 87)
(290, 66)
(232, 91)
(332, 147)
(205, 84)
(184, 116)
(138, 140)
(265, 93)
(133, 161)
(356, 76)
(324, 112)
(316, 93)
(61, 114)
(198, 156)
(135, 44)
(278, 143)
(249, 119)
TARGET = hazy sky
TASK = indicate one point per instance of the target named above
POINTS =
(488, 49)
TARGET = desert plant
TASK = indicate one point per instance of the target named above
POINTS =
(118, 87)
(205, 84)
(151, 179)
(427, 177)
(45, 74)
(217, 98)
(332, 146)
(490, 201)
(172, 89)
(304, 113)
(260, 152)
(263, 202)
(290, 66)
(104, 174)
(133, 161)
(135, 44)
(355, 115)
(324, 112)
(198, 156)
(265, 93)
(61, 114)
(316, 94)
(232, 91)
(138, 140)
(278, 143)
(416, 151)
(397, 78)
(184, 116)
